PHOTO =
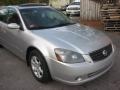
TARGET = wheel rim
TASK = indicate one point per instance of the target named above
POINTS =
(36, 67)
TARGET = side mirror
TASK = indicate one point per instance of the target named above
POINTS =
(13, 26)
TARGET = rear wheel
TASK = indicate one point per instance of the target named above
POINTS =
(39, 67)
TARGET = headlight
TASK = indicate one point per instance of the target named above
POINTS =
(67, 56)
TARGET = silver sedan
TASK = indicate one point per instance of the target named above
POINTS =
(54, 46)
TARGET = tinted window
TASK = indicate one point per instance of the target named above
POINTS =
(3, 15)
(40, 18)
(13, 17)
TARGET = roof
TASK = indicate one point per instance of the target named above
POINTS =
(32, 4)
(29, 5)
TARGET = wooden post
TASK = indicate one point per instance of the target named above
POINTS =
(90, 10)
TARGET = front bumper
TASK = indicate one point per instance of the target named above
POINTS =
(73, 12)
(76, 74)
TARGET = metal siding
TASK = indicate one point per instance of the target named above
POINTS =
(90, 10)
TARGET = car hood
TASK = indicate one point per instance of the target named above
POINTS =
(73, 6)
(75, 37)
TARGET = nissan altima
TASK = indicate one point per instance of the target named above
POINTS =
(53, 46)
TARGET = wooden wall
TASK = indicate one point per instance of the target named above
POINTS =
(118, 1)
(90, 10)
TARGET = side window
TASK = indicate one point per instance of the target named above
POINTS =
(3, 15)
(13, 17)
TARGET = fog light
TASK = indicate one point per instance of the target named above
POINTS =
(78, 78)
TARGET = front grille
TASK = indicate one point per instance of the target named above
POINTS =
(73, 8)
(101, 53)
(99, 71)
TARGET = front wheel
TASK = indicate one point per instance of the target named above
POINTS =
(1, 46)
(39, 67)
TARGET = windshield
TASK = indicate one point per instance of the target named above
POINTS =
(75, 3)
(41, 18)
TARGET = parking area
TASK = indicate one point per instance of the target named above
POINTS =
(15, 75)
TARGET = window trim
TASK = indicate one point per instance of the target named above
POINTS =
(13, 9)
(4, 21)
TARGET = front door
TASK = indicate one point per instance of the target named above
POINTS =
(14, 37)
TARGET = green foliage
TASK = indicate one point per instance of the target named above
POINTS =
(13, 2)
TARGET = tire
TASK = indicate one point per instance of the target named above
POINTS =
(68, 15)
(1, 46)
(39, 67)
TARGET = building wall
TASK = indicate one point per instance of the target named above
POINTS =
(58, 3)
(38, 1)
(90, 10)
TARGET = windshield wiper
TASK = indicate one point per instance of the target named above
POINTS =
(63, 24)
(59, 25)
(35, 28)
